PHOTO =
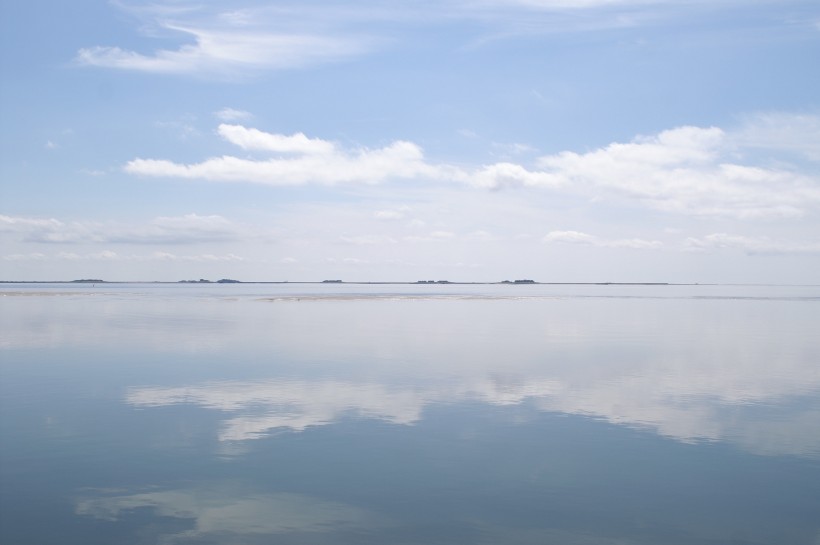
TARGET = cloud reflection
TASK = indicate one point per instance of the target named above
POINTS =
(225, 513)
(735, 364)
(258, 409)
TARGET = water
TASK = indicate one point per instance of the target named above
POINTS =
(409, 414)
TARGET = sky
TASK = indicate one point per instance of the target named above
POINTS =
(553, 140)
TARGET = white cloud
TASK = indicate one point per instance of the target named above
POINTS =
(313, 161)
(368, 239)
(105, 255)
(570, 237)
(391, 214)
(484, 236)
(109, 255)
(183, 129)
(231, 114)
(50, 230)
(225, 50)
(635, 243)
(512, 149)
(187, 229)
(433, 236)
(791, 132)
(254, 139)
(355, 261)
(9, 223)
(569, 4)
(751, 245)
(577, 237)
(34, 256)
(686, 170)
(505, 175)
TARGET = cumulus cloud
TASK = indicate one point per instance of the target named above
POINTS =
(254, 139)
(300, 160)
(505, 175)
(577, 237)
(686, 170)
(701, 171)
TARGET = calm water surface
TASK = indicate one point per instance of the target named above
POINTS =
(409, 414)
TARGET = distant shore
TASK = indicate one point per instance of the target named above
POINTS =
(386, 282)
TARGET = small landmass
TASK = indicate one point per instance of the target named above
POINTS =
(227, 281)
(524, 281)
(331, 281)
(200, 281)
(88, 281)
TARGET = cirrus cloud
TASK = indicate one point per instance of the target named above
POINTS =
(226, 50)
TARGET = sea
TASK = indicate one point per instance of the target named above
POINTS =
(409, 414)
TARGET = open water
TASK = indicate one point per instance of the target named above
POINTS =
(249, 414)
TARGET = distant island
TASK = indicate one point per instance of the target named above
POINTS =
(204, 281)
(383, 282)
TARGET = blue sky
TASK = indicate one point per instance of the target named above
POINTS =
(587, 140)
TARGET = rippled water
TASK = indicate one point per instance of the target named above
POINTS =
(409, 414)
